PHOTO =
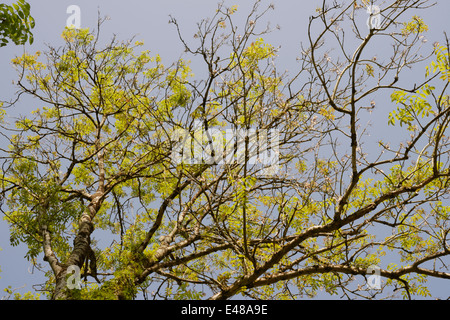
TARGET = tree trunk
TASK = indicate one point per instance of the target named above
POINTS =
(81, 247)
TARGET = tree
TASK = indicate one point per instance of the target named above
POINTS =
(16, 23)
(126, 145)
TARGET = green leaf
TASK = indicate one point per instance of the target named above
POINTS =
(17, 23)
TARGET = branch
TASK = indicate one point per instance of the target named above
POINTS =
(49, 256)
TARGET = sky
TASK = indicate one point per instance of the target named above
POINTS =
(148, 21)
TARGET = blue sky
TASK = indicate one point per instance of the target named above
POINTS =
(148, 21)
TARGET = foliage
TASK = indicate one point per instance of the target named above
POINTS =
(17, 296)
(16, 23)
(91, 177)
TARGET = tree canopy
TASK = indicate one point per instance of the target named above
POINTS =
(95, 179)
(16, 23)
